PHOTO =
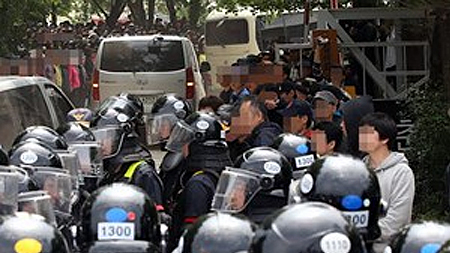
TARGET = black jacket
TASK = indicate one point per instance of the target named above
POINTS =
(263, 135)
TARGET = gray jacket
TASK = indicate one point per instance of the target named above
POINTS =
(397, 189)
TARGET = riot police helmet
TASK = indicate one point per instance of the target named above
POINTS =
(347, 184)
(258, 171)
(297, 149)
(200, 129)
(34, 153)
(30, 233)
(166, 111)
(218, 232)
(119, 212)
(424, 236)
(307, 228)
(44, 134)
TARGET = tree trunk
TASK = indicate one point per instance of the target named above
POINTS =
(151, 13)
(440, 55)
(171, 8)
(138, 12)
(195, 7)
(116, 9)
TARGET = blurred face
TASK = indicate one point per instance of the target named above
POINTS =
(319, 142)
(51, 186)
(369, 139)
(237, 197)
(323, 111)
(165, 129)
(247, 119)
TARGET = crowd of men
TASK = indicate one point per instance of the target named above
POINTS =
(289, 167)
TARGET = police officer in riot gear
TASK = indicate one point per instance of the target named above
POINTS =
(256, 186)
(307, 228)
(166, 112)
(30, 233)
(297, 149)
(131, 106)
(201, 139)
(219, 233)
(125, 158)
(347, 184)
(44, 171)
(427, 236)
(118, 212)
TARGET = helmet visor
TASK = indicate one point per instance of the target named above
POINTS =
(9, 189)
(37, 202)
(181, 135)
(90, 158)
(58, 184)
(71, 163)
(235, 189)
(110, 139)
(162, 126)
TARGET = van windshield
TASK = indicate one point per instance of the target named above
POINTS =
(142, 56)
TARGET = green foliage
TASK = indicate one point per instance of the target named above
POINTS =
(14, 18)
(429, 148)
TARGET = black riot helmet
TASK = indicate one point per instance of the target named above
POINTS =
(166, 111)
(124, 209)
(123, 247)
(347, 184)
(200, 129)
(422, 237)
(44, 134)
(75, 132)
(110, 128)
(297, 149)
(125, 103)
(218, 233)
(30, 233)
(307, 228)
(259, 171)
(34, 153)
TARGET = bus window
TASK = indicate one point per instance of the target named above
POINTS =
(218, 32)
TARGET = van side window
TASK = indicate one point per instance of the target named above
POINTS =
(20, 108)
(60, 103)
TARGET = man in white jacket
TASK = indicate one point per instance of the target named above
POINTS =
(377, 135)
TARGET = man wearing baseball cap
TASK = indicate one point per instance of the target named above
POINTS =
(325, 105)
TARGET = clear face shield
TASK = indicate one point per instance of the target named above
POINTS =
(110, 139)
(90, 159)
(162, 125)
(58, 184)
(181, 135)
(9, 189)
(37, 202)
(235, 189)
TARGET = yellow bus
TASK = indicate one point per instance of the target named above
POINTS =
(230, 36)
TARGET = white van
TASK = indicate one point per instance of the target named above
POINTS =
(147, 66)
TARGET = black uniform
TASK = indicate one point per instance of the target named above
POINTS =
(136, 167)
(208, 156)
